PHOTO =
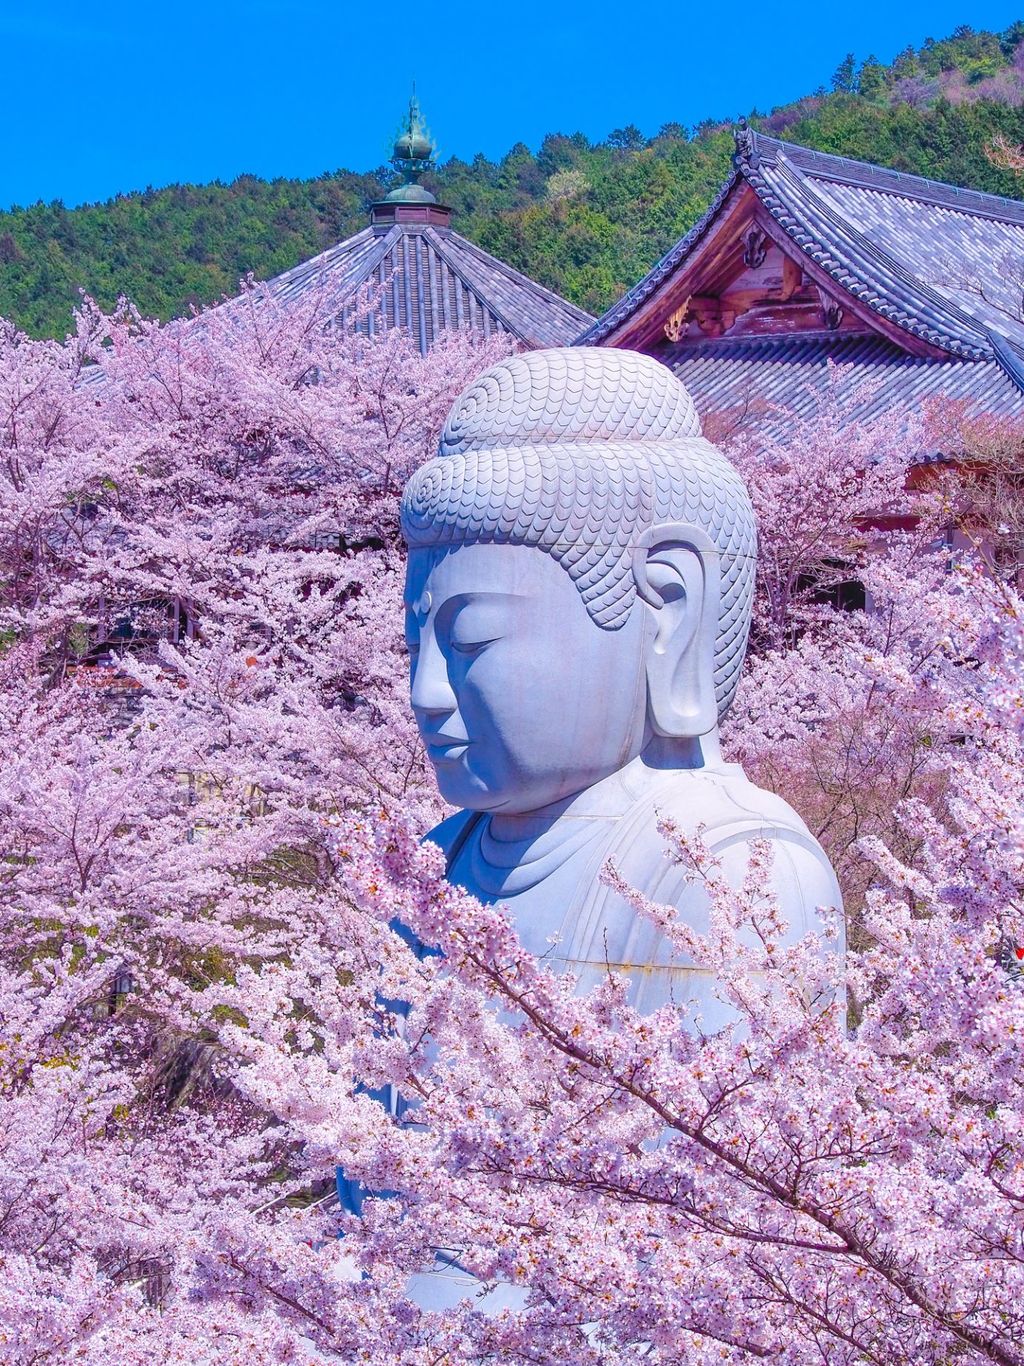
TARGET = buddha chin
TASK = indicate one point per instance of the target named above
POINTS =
(577, 605)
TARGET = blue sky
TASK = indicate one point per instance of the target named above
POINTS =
(116, 96)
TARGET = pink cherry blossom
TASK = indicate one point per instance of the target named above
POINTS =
(211, 808)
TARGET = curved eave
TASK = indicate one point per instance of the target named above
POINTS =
(767, 381)
(1010, 357)
(858, 266)
(875, 285)
(610, 323)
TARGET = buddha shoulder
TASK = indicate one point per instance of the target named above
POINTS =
(730, 814)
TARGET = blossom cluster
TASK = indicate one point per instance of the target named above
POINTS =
(222, 941)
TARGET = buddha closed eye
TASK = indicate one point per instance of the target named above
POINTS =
(521, 699)
(478, 623)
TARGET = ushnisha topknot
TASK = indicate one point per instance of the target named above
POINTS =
(551, 397)
(579, 452)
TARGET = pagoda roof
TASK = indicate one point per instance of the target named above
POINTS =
(426, 278)
(409, 271)
(937, 270)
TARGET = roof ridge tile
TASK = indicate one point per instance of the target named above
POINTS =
(931, 304)
(870, 175)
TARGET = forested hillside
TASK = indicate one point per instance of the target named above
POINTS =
(587, 219)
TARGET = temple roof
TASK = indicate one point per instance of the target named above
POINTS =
(424, 277)
(747, 381)
(937, 270)
(429, 279)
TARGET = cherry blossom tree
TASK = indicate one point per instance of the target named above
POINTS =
(211, 803)
(823, 489)
(202, 654)
(988, 503)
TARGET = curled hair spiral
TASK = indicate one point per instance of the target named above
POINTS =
(579, 452)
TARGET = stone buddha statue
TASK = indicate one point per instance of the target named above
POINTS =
(579, 589)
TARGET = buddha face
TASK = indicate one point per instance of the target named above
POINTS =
(521, 699)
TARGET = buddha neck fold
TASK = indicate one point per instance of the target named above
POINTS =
(508, 854)
(613, 795)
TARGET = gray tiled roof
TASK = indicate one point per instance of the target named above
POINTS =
(744, 379)
(938, 262)
(430, 279)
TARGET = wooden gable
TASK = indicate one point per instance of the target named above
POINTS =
(746, 278)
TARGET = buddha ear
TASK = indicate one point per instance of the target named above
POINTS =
(676, 569)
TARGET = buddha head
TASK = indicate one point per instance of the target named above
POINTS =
(580, 578)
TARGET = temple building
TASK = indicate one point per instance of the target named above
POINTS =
(424, 276)
(805, 258)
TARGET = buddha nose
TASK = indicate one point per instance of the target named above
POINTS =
(430, 689)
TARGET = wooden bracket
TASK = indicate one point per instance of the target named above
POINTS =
(755, 247)
(831, 311)
(711, 316)
(792, 278)
(675, 324)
